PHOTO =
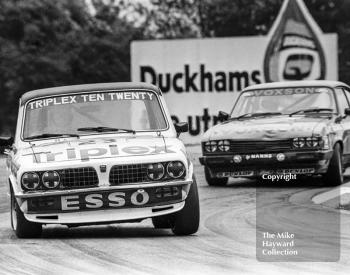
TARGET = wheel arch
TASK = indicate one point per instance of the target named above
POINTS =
(12, 184)
(13, 188)
(340, 143)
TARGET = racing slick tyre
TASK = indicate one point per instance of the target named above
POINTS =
(161, 222)
(186, 221)
(22, 227)
(214, 181)
(334, 175)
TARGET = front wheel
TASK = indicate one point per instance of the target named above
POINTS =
(186, 221)
(334, 175)
(22, 227)
(212, 181)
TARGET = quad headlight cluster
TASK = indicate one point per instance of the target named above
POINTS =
(172, 170)
(311, 142)
(49, 180)
(217, 146)
(33, 180)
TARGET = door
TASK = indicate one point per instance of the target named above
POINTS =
(343, 103)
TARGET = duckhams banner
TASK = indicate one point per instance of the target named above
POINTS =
(199, 77)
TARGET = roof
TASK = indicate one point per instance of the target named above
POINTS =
(291, 84)
(87, 88)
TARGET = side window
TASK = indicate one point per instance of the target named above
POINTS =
(342, 100)
(347, 94)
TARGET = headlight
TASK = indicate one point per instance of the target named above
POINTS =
(299, 142)
(312, 141)
(210, 146)
(30, 180)
(176, 169)
(224, 145)
(155, 171)
(51, 179)
(309, 142)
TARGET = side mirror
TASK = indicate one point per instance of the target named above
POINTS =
(181, 127)
(5, 143)
(223, 116)
(347, 111)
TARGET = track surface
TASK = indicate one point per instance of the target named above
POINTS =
(225, 243)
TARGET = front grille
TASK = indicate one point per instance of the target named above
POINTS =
(260, 146)
(78, 177)
(129, 173)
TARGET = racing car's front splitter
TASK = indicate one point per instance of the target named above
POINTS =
(258, 164)
(105, 216)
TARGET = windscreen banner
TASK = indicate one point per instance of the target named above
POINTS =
(200, 77)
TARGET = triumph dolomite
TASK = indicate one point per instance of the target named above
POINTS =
(282, 128)
(99, 154)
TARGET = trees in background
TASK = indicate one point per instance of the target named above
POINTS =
(46, 43)
(51, 43)
(224, 18)
(212, 18)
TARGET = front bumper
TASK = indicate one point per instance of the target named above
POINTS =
(105, 216)
(254, 165)
(104, 204)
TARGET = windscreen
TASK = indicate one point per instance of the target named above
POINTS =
(134, 110)
(284, 100)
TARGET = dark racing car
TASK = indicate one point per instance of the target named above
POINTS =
(286, 129)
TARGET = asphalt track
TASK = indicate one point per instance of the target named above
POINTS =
(225, 243)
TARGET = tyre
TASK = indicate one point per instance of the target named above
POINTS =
(186, 221)
(212, 181)
(334, 175)
(22, 227)
(161, 222)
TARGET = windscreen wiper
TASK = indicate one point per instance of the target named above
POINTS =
(51, 135)
(256, 115)
(102, 129)
(312, 110)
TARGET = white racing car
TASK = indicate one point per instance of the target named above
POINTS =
(99, 154)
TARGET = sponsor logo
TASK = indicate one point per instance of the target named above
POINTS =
(242, 174)
(95, 201)
(294, 51)
(202, 80)
(258, 156)
(235, 174)
(85, 154)
(92, 97)
(289, 171)
(104, 200)
(285, 91)
(297, 171)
